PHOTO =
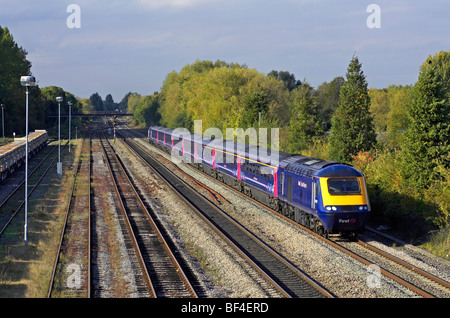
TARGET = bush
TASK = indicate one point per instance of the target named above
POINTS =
(409, 211)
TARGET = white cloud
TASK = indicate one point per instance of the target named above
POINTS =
(156, 4)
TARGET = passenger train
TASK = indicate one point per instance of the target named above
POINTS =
(326, 196)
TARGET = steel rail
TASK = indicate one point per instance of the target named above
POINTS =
(63, 230)
(405, 264)
(29, 175)
(169, 252)
(339, 247)
(182, 184)
(89, 243)
(23, 202)
(383, 271)
(140, 257)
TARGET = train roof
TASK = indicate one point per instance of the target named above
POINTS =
(252, 152)
(309, 167)
(298, 164)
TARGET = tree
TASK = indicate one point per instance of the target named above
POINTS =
(426, 143)
(222, 95)
(327, 98)
(352, 125)
(304, 125)
(13, 64)
(397, 118)
(97, 102)
(108, 103)
(86, 106)
(255, 105)
(123, 104)
(287, 78)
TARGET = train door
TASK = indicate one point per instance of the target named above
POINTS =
(289, 188)
(315, 193)
(238, 162)
(275, 182)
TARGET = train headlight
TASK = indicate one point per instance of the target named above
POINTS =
(328, 208)
(334, 208)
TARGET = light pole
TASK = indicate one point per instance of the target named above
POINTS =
(3, 125)
(59, 99)
(70, 115)
(26, 81)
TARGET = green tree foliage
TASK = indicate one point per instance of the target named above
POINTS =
(97, 102)
(86, 106)
(287, 78)
(222, 95)
(327, 98)
(123, 104)
(49, 108)
(304, 125)
(389, 108)
(13, 65)
(255, 106)
(426, 143)
(144, 108)
(352, 127)
(108, 103)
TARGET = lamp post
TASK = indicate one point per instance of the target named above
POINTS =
(70, 115)
(59, 99)
(26, 81)
(3, 124)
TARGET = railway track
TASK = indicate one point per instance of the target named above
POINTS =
(71, 275)
(14, 202)
(116, 271)
(419, 281)
(164, 275)
(289, 280)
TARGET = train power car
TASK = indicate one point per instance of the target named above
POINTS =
(325, 196)
(12, 155)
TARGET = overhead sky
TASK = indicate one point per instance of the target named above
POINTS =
(131, 45)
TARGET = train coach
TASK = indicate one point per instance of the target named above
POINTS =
(325, 196)
(12, 155)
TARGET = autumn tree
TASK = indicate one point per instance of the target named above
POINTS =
(352, 125)
(222, 95)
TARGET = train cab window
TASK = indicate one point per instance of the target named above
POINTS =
(343, 186)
